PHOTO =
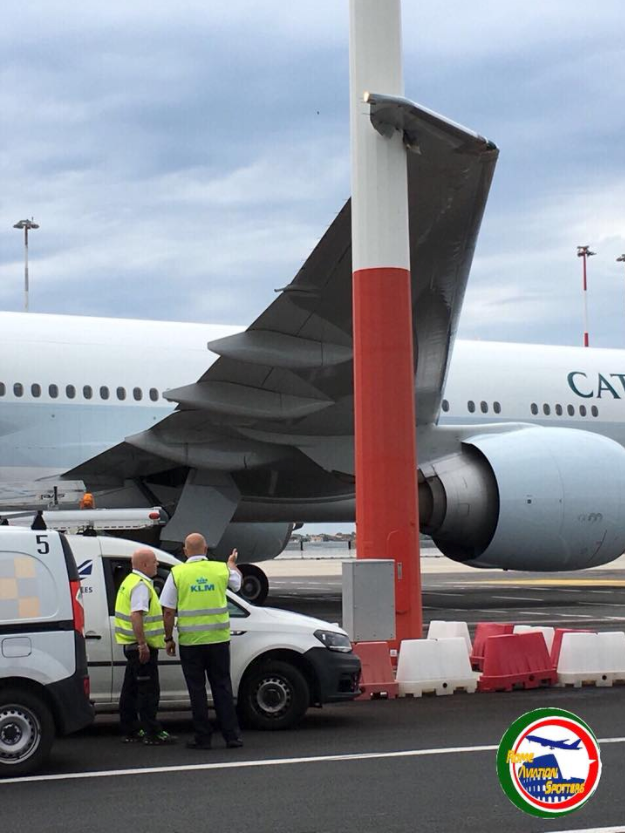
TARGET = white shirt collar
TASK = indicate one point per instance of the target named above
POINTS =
(196, 558)
(143, 575)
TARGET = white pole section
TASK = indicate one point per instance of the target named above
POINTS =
(379, 171)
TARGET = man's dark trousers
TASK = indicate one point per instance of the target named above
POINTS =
(212, 661)
(140, 693)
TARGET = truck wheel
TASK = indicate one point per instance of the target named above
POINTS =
(26, 732)
(273, 695)
(255, 585)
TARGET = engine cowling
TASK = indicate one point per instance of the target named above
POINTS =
(254, 542)
(533, 499)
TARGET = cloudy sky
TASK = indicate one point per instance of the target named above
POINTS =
(183, 159)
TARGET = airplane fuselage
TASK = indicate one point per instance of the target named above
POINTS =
(71, 387)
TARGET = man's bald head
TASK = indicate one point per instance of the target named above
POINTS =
(145, 561)
(195, 544)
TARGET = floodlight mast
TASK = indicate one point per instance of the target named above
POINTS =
(387, 515)
(26, 225)
(584, 252)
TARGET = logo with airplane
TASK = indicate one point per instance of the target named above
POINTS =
(561, 775)
(555, 744)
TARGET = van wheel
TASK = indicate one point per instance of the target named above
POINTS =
(255, 584)
(273, 695)
(26, 732)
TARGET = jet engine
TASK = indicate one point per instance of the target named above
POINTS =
(532, 499)
(254, 542)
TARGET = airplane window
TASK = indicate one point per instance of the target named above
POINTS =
(594, 411)
(18, 389)
(471, 406)
(546, 410)
(559, 410)
(70, 391)
(582, 410)
(484, 407)
(3, 388)
(35, 390)
(87, 391)
(121, 393)
(570, 410)
(497, 407)
(104, 392)
(154, 397)
(534, 408)
(53, 391)
(138, 394)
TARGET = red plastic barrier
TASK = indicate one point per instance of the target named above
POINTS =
(518, 660)
(557, 641)
(376, 677)
(483, 631)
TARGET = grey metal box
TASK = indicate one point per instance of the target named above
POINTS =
(369, 599)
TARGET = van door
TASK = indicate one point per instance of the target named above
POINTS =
(87, 552)
(173, 687)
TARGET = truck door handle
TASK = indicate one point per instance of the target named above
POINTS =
(92, 635)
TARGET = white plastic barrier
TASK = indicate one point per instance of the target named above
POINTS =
(434, 665)
(547, 632)
(448, 630)
(597, 658)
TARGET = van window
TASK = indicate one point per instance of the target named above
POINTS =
(115, 571)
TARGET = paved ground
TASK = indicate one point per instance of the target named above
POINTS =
(409, 765)
(589, 599)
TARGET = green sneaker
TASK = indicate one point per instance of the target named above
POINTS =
(160, 739)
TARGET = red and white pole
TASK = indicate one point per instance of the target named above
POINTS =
(384, 405)
(584, 252)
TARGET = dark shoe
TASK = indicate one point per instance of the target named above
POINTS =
(160, 739)
(198, 744)
(134, 737)
(234, 743)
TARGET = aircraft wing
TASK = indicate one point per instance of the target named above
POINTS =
(279, 399)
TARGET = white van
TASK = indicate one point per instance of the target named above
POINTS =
(282, 662)
(44, 687)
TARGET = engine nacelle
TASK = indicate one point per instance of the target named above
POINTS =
(533, 499)
(254, 542)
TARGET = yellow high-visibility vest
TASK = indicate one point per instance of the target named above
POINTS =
(202, 602)
(153, 627)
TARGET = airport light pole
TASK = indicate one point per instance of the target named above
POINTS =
(26, 225)
(387, 519)
(584, 252)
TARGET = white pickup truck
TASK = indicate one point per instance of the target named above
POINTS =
(282, 662)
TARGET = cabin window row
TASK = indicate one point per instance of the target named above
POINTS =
(558, 410)
(71, 392)
(484, 407)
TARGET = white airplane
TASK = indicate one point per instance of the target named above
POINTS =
(242, 433)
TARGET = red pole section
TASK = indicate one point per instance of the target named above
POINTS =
(384, 399)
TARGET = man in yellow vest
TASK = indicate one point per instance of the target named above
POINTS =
(139, 628)
(197, 590)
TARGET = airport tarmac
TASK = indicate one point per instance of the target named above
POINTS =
(424, 765)
(593, 598)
